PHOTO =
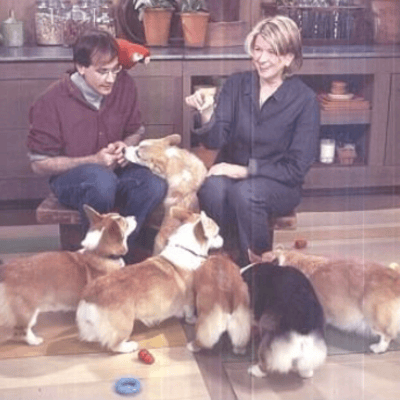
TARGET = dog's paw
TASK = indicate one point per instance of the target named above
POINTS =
(380, 347)
(193, 347)
(256, 371)
(126, 347)
(306, 373)
(32, 339)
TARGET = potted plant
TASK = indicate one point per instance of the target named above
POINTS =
(156, 16)
(194, 18)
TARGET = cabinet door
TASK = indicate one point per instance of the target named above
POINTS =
(392, 154)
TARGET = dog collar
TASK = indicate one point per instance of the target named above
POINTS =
(190, 251)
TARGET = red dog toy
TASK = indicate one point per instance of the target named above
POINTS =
(300, 243)
(145, 356)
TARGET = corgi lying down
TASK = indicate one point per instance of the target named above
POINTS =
(355, 295)
(156, 289)
(183, 171)
(54, 281)
(290, 320)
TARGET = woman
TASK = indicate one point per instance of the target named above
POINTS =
(266, 125)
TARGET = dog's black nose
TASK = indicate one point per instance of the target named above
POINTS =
(123, 150)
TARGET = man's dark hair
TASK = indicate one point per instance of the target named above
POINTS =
(92, 45)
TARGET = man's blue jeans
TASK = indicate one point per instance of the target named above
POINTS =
(133, 190)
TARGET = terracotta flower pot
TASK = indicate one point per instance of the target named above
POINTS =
(386, 21)
(194, 26)
(157, 23)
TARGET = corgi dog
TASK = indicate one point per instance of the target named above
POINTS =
(222, 305)
(183, 171)
(290, 320)
(306, 263)
(356, 296)
(151, 291)
(54, 281)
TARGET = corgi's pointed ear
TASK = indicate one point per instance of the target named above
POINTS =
(254, 258)
(210, 227)
(269, 256)
(92, 214)
(174, 139)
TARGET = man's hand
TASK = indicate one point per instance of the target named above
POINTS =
(116, 149)
(107, 158)
(230, 170)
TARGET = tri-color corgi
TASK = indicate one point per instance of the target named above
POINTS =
(290, 320)
(151, 291)
(54, 281)
(356, 296)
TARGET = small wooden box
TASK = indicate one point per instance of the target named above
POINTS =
(222, 34)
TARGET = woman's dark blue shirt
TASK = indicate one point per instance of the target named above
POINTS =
(277, 141)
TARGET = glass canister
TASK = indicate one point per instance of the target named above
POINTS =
(49, 21)
(105, 17)
(80, 19)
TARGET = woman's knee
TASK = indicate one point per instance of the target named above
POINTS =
(212, 191)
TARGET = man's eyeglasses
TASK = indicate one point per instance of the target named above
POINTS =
(104, 72)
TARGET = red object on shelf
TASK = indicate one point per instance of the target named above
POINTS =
(300, 243)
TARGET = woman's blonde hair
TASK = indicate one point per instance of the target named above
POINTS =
(283, 35)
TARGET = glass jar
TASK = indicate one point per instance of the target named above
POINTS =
(105, 17)
(79, 20)
(49, 20)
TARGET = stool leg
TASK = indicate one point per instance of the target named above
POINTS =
(70, 237)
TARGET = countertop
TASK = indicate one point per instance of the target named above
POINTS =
(59, 53)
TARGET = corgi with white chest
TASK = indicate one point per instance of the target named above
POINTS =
(290, 320)
(356, 296)
(54, 281)
(222, 304)
(151, 291)
(183, 171)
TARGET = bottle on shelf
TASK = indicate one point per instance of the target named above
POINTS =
(80, 19)
(49, 22)
(104, 16)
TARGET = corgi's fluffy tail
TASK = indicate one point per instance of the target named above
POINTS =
(302, 353)
(93, 324)
(87, 318)
(239, 328)
(7, 317)
(108, 327)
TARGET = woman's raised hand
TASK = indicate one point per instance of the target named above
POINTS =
(203, 101)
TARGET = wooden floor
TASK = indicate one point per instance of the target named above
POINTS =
(175, 375)
(362, 227)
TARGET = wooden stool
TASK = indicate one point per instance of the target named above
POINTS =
(50, 211)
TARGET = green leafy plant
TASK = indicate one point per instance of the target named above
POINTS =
(141, 4)
(193, 6)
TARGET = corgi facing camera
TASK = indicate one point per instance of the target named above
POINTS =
(290, 320)
(152, 291)
(54, 281)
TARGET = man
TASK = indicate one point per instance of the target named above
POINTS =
(79, 128)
